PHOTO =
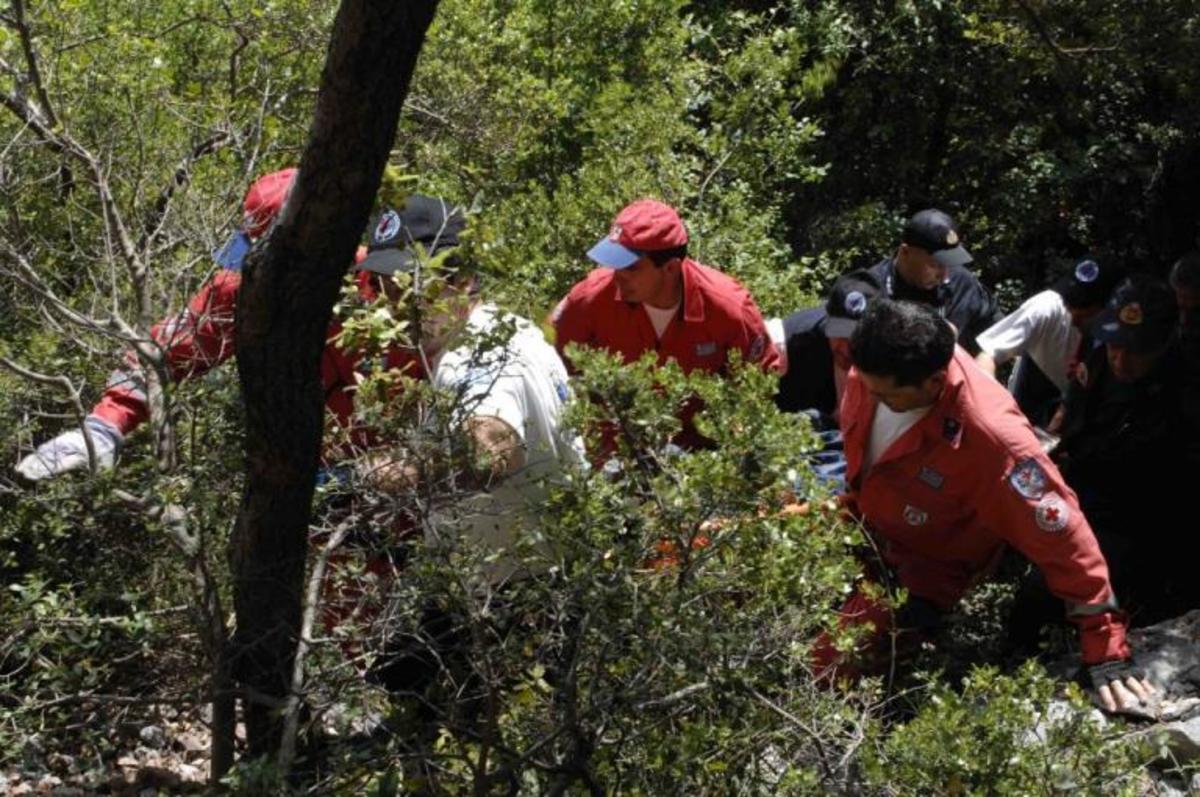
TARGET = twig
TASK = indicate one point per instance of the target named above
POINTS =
(35, 74)
(822, 756)
(72, 395)
(312, 600)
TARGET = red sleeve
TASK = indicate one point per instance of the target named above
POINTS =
(1039, 515)
(753, 339)
(572, 322)
(194, 341)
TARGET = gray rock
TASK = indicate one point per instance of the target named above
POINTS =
(153, 736)
(1183, 739)
(1060, 713)
(1169, 652)
(33, 753)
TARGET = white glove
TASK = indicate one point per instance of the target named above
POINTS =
(69, 452)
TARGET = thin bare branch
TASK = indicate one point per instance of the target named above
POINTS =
(21, 24)
(312, 601)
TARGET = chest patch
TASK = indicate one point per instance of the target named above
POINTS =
(1028, 479)
(931, 478)
(914, 516)
(706, 349)
(1052, 513)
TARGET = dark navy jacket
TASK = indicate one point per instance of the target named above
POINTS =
(808, 383)
(963, 301)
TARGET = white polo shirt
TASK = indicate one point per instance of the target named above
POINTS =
(510, 372)
(1039, 329)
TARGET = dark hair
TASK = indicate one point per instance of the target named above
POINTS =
(906, 341)
(664, 256)
(1186, 271)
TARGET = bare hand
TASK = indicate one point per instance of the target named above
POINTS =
(1124, 695)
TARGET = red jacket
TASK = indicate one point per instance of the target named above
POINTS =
(716, 316)
(965, 479)
(203, 336)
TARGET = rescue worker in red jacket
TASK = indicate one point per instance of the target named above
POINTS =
(943, 471)
(649, 295)
(198, 339)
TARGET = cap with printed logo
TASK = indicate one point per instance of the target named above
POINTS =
(400, 237)
(1089, 283)
(644, 226)
(936, 233)
(264, 199)
(1140, 316)
(848, 300)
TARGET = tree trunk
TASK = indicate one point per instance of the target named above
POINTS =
(287, 295)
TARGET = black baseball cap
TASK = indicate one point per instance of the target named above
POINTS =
(431, 222)
(1141, 315)
(848, 300)
(936, 233)
(1089, 283)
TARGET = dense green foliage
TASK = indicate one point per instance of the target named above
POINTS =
(794, 137)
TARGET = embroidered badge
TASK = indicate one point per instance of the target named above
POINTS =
(951, 238)
(914, 516)
(931, 477)
(951, 429)
(756, 347)
(1087, 271)
(1052, 513)
(705, 349)
(1028, 479)
(1131, 314)
(388, 226)
(855, 303)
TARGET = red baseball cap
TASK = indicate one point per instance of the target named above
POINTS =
(262, 204)
(265, 199)
(646, 225)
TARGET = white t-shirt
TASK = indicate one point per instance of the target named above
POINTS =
(1040, 329)
(508, 371)
(887, 427)
(779, 339)
(660, 318)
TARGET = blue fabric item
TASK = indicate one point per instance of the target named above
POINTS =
(612, 255)
(335, 477)
(233, 252)
(828, 463)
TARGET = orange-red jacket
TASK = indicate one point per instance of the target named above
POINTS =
(202, 336)
(716, 316)
(965, 479)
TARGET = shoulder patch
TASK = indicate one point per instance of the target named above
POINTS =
(1052, 513)
(1028, 479)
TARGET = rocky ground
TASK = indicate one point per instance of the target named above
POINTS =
(170, 754)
